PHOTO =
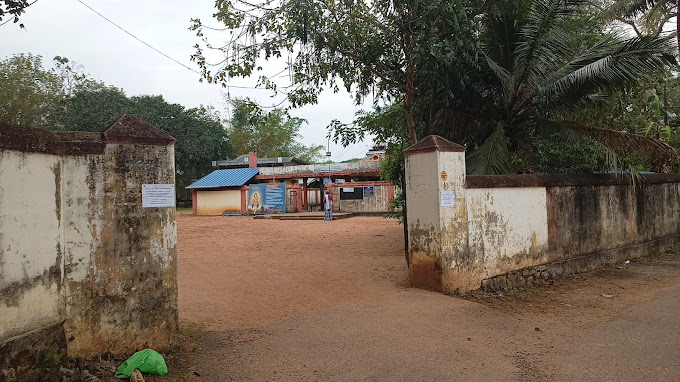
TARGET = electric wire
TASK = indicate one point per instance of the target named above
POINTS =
(155, 49)
(137, 38)
(15, 17)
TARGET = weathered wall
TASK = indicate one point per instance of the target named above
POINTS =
(78, 253)
(596, 218)
(129, 299)
(31, 264)
(437, 233)
(378, 204)
(218, 202)
(550, 224)
(508, 227)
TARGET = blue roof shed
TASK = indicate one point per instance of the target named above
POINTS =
(225, 178)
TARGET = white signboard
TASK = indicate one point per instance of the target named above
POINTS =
(158, 195)
(348, 189)
(448, 199)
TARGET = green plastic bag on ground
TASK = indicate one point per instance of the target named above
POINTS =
(147, 361)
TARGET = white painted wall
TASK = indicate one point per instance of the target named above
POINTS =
(216, 202)
(505, 223)
(422, 191)
(487, 232)
(29, 237)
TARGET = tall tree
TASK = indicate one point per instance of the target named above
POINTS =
(480, 73)
(30, 93)
(201, 137)
(270, 133)
(371, 47)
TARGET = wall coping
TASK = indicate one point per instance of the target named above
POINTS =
(562, 180)
(433, 143)
(126, 130)
(132, 130)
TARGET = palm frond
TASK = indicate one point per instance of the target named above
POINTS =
(609, 64)
(456, 125)
(659, 153)
(504, 77)
(492, 157)
(615, 163)
(603, 157)
(636, 7)
(539, 37)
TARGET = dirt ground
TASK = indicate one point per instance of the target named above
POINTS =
(269, 300)
(237, 272)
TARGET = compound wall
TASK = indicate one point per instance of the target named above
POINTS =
(82, 263)
(467, 232)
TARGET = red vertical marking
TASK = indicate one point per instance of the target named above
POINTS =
(244, 201)
(551, 206)
(390, 192)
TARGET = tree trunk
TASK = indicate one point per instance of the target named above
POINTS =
(408, 101)
(406, 46)
(405, 221)
(409, 118)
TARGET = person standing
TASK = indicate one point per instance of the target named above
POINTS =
(328, 206)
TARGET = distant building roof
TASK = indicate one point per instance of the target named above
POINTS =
(375, 154)
(242, 161)
(226, 178)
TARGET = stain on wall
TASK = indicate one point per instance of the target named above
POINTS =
(378, 203)
(77, 250)
(590, 219)
(506, 224)
(30, 256)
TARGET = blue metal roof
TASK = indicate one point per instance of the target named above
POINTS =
(226, 178)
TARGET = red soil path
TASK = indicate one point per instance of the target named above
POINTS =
(240, 272)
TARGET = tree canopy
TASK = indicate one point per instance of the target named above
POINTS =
(371, 48)
(30, 94)
(645, 17)
(201, 136)
(270, 133)
(65, 98)
(494, 76)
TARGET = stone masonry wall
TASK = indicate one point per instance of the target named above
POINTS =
(82, 263)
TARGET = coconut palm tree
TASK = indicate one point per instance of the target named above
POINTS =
(535, 65)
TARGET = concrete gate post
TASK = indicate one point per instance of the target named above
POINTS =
(437, 215)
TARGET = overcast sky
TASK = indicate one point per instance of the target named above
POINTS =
(68, 28)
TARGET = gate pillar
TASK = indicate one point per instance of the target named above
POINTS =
(437, 215)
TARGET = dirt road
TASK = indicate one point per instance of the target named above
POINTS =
(314, 301)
